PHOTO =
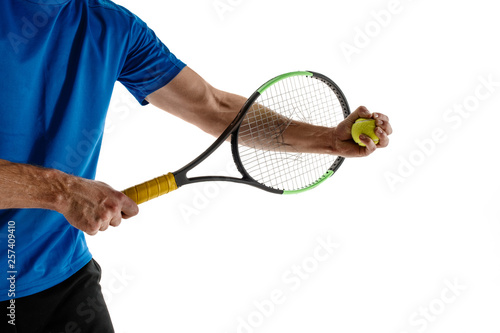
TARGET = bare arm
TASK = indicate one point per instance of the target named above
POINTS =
(88, 205)
(189, 97)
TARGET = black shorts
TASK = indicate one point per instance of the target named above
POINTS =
(75, 305)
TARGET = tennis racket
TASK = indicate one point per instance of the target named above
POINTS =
(259, 150)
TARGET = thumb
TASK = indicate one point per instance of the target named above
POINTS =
(129, 207)
(360, 112)
(344, 128)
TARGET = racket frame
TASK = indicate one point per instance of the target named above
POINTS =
(232, 130)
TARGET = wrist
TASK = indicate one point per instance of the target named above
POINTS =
(58, 187)
(333, 148)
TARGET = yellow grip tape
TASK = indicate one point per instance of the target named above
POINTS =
(151, 189)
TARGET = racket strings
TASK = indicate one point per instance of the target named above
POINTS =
(262, 148)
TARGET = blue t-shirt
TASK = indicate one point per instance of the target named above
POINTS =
(59, 61)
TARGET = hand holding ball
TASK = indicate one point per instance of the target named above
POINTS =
(364, 126)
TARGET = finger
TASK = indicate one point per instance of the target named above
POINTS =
(381, 116)
(383, 121)
(104, 226)
(370, 145)
(386, 127)
(92, 233)
(343, 131)
(92, 230)
(116, 221)
(383, 137)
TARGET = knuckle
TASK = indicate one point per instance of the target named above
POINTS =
(111, 209)
(116, 202)
(92, 231)
(114, 207)
(102, 216)
(121, 196)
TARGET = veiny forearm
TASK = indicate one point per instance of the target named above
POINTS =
(277, 131)
(27, 186)
(87, 205)
(189, 97)
(221, 108)
(307, 138)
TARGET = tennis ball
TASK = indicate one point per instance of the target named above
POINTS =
(364, 126)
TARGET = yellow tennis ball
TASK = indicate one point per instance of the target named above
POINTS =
(364, 126)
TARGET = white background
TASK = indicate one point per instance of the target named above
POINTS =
(410, 220)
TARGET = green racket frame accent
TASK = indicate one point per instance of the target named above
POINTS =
(172, 181)
(338, 162)
(282, 77)
(327, 175)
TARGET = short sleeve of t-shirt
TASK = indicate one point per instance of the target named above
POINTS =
(149, 64)
(59, 63)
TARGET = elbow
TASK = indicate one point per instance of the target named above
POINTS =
(218, 111)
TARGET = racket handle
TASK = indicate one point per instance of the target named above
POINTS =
(151, 189)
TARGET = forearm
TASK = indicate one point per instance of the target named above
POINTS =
(290, 135)
(27, 186)
(189, 97)
(87, 204)
(306, 138)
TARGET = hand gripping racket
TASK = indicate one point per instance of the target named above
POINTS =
(258, 143)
